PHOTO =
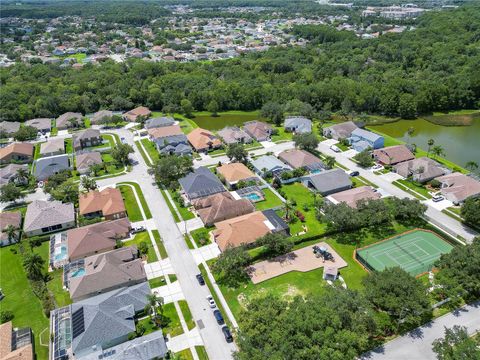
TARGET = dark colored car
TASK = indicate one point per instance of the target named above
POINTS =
(227, 334)
(219, 317)
(200, 279)
(354, 173)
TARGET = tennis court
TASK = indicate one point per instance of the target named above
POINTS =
(414, 251)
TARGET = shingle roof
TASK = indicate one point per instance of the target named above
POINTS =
(459, 186)
(9, 127)
(85, 135)
(25, 149)
(364, 134)
(7, 352)
(109, 201)
(203, 139)
(159, 122)
(40, 124)
(201, 182)
(62, 120)
(330, 180)
(9, 171)
(85, 160)
(45, 167)
(221, 206)
(42, 214)
(101, 115)
(259, 130)
(235, 172)
(269, 162)
(52, 146)
(138, 111)
(352, 196)
(8, 218)
(393, 154)
(422, 169)
(342, 130)
(299, 158)
(300, 123)
(233, 134)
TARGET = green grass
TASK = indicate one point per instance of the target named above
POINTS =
(170, 206)
(87, 123)
(412, 189)
(184, 212)
(174, 327)
(217, 152)
(150, 149)
(143, 236)
(201, 352)
(172, 277)
(145, 207)
(205, 119)
(187, 315)
(366, 182)
(36, 153)
(282, 135)
(142, 152)
(79, 57)
(148, 325)
(131, 205)
(189, 242)
(54, 132)
(68, 146)
(416, 187)
(159, 242)
(201, 236)
(271, 200)
(185, 354)
(157, 282)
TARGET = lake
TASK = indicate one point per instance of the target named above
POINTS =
(461, 143)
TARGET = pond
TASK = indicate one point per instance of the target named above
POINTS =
(461, 143)
(209, 122)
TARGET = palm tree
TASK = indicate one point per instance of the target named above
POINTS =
(33, 265)
(472, 165)
(430, 143)
(288, 207)
(154, 307)
(438, 150)
(410, 132)
(22, 176)
(88, 183)
(329, 161)
(11, 233)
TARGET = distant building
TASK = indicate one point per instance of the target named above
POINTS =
(458, 187)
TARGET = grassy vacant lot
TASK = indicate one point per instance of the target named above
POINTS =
(205, 119)
(187, 315)
(143, 236)
(184, 212)
(173, 326)
(133, 209)
(271, 200)
(201, 236)
(159, 242)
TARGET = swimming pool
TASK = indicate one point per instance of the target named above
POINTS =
(78, 273)
(60, 253)
(253, 197)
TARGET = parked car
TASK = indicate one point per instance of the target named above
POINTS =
(438, 198)
(335, 148)
(200, 279)
(123, 140)
(137, 230)
(354, 173)
(377, 167)
(218, 317)
(227, 334)
(211, 302)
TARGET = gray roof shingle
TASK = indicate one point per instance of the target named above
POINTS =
(45, 167)
(201, 182)
(42, 213)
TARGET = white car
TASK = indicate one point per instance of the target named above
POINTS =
(376, 167)
(438, 198)
(211, 302)
(335, 148)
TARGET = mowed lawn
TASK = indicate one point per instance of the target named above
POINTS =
(131, 205)
(143, 236)
(271, 200)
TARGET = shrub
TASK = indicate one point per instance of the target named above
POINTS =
(5, 316)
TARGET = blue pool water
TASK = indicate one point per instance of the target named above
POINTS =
(78, 273)
(62, 255)
(253, 197)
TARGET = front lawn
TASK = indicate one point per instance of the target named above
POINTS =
(201, 352)
(271, 200)
(139, 192)
(201, 236)
(150, 149)
(412, 189)
(142, 152)
(172, 321)
(143, 236)
(281, 135)
(131, 205)
(185, 354)
(184, 212)
(170, 206)
(157, 282)
(187, 315)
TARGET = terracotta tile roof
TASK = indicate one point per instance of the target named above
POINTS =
(221, 206)
(157, 133)
(25, 149)
(352, 196)
(235, 172)
(244, 229)
(392, 155)
(109, 201)
(202, 139)
(298, 158)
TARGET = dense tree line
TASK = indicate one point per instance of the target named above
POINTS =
(434, 67)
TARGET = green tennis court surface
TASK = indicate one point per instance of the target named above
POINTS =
(415, 252)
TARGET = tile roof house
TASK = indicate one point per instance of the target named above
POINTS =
(18, 152)
(97, 323)
(9, 174)
(13, 218)
(457, 187)
(221, 206)
(235, 172)
(87, 138)
(200, 183)
(43, 125)
(48, 166)
(107, 203)
(16, 344)
(9, 127)
(352, 196)
(392, 155)
(296, 159)
(340, 131)
(85, 160)
(269, 164)
(52, 147)
(96, 238)
(159, 122)
(298, 125)
(328, 182)
(234, 135)
(203, 140)
(134, 114)
(164, 131)
(361, 139)
(69, 120)
(101, 116)
(104, 272)
(173, 145)
(258, 130)
(421, 170)
(43, 217)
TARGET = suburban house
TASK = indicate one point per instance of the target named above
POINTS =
(340, 131)
(9, 127)
(93, 239)
(9, 174)
(134, 114)
(233, 135)
(105, 272)
(48, 166)
(43, 217)
(297, 159)
(96, 323)
(457, 187)
(298, 125)
(258, 130)
(16, 152)
(107, 203)
(421, 170)
(221, 206)
(362, 139)
(69, 120)
(87, 138)
(52, 147)
(164, 131)
(16, 344)
(203, 140)
(328, 182)
(200, 183)
(159, 122)
(173, 145)
(235, 172)
(352, 196)
(43, 125)
(14, 219)
(101, 116)
(86, 160)
(269, 164)
(393, 155)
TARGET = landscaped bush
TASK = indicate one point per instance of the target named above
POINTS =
(5, 316)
